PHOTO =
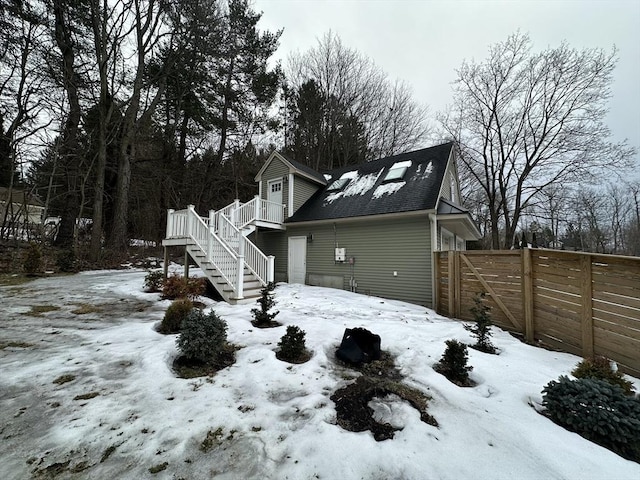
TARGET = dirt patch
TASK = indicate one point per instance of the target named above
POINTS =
(191, 368)
(40, 310)
(271, 324)
(353, 411)
(4, 345)
(302, 358)
(85, 308)
(379, 379)
(64, 379)
(86, 396)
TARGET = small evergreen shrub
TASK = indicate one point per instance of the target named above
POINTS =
(596, 410)
(203, 337)
(262, 317)
(32, 262)
(66, 260)
(600, 367)
(453, 363)
(153, 281)
(292, 344)
(177, 286)
(175, 315)
(481, 330)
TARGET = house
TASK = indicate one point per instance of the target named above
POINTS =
(19, 208)
(370, 228)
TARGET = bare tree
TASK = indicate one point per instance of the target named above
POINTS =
(350, 85)
(528, 120)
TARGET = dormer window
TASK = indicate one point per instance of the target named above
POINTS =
(397, 171)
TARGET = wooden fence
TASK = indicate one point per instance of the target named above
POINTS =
(580, 303)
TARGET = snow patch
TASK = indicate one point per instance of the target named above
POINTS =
(388, 189)
(359, 185)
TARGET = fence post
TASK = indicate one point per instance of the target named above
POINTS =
(240, 271)
(437, 277)
(169, 223)
(527, 295)
(258, 215)
(586, 294)
(452, 279)
(457, 280)
(271, 268)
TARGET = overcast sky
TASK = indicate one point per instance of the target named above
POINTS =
(424, 41)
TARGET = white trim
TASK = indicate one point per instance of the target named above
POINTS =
(290, 196)
(303, 241)
(275, 181)
(434, 246)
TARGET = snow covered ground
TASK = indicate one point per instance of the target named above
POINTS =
(124, 412)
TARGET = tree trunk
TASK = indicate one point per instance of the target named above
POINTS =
(69, 145)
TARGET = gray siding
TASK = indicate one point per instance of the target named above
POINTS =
(302, 191)
(379, 247)
(276, 169)
(273, 242)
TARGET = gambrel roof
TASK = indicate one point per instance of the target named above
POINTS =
(402, 183)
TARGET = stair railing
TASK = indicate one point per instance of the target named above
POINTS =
(261, 265)
(226, 261)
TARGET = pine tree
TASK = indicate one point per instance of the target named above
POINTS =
(262, 317)
(482, 327)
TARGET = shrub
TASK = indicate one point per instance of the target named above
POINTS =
(32, 262)
(600, 367)
(153, 281)
(262, 317)
(482, 327)
(203, 337)
(175, 315)
(596, 410)
(292, 345)
(66, 260)
(453, 363)
(176, 286)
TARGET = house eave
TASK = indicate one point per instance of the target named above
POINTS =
(292, 169)
(461, 225)
(363, 218)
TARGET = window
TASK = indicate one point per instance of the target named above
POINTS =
(397, 171)
(338, 184)
(276, 187)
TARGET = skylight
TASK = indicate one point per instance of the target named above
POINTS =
(342, 181)
(397, 171)
(338, 184)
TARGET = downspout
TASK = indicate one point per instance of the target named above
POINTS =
(434, 245)
(290, 196)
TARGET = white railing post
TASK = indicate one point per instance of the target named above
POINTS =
(271, 268)
(240, 280)
(191, 211)
(212, 219)
(170, 223)
(258, 215)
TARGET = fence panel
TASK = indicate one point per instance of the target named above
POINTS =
(577, 302)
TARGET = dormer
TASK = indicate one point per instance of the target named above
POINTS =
(287, 182)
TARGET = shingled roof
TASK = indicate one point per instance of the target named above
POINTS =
(367, 193)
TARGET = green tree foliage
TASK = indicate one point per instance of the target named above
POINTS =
(596, 410)
(203, 337)
(453, 363)
(481, 329)
(600, 368)
(292, 344)
(263, 317)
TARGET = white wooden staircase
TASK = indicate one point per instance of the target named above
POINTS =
(218, 244)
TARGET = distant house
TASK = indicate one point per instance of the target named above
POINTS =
(19, 207)
(370, 228)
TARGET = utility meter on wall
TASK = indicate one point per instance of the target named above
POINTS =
(341, 254)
